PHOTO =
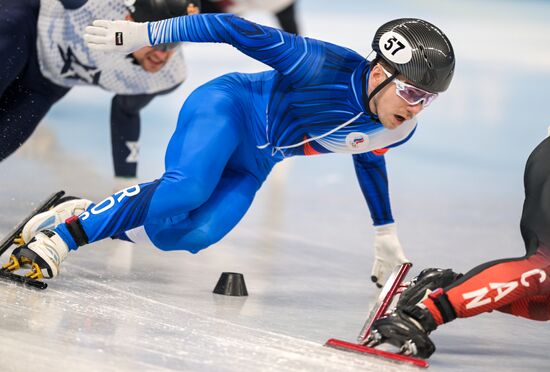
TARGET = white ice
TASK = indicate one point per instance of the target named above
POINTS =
(305, 247)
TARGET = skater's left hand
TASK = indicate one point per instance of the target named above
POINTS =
(387, 253)
(117, 36)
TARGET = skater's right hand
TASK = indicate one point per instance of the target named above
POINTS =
(117, 36)
(387, 253)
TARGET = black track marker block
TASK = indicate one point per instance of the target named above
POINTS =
(231, 284)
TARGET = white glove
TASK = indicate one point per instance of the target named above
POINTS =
(387, 253)
(117, 36)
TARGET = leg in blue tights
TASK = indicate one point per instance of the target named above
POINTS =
(212, 151)
(210, 222)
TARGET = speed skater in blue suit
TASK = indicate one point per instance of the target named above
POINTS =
(318, 98)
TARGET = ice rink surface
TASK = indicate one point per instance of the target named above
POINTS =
(305, 247)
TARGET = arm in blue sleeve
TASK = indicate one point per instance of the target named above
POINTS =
(291, 55)
(72, 4)
(373, 179)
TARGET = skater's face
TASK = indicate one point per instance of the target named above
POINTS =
(192, 9)
(392, 110)
(152, 59)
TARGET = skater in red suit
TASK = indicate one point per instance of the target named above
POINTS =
(517, 286)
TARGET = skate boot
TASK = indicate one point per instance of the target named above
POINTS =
(67, 207)
(405, 329)
(43, 255)
(425, 283)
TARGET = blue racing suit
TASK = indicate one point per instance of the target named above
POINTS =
(234, 129)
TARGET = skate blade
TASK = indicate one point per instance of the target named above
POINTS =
(19, 241)
(12, 265)
(393, 287)
(35, 273)
(24, 280)
(15, 264)
(386, 355)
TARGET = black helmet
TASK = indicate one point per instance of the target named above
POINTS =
(418, 50)
(155, 10)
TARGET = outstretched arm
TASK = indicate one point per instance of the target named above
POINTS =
(289, 54)
(373, 179)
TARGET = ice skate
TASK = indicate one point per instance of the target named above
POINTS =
(424, 283)
(405, 329)
(43, 255)
(367, 342)
(66, 207)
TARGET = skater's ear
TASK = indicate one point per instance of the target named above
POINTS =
(376, 77)
(129, 18)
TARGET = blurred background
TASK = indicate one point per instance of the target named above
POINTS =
(305, 246)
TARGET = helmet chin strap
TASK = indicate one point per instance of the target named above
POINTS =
(367, 98)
